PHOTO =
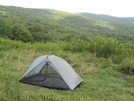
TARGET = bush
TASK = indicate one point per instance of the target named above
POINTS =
(127, 66)
(117, 59)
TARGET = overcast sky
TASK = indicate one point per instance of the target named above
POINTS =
(118, 8)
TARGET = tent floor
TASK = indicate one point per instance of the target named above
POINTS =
(45, 81)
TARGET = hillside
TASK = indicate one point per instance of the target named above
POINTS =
(118, 20)
(52, 25)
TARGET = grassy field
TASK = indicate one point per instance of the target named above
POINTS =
(104, 79)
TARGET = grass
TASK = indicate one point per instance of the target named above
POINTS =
(101, 76)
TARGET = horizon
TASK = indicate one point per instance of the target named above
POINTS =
(112, 8)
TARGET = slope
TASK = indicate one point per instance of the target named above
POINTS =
(60, 24)
(118, 20)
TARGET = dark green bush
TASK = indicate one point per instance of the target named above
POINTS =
(117, 59)
(127, 66)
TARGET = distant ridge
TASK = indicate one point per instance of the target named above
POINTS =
(118, 20)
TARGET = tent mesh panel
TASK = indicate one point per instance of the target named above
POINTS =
(47, 77)
(47, 70)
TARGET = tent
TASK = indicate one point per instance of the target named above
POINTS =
(52, 72)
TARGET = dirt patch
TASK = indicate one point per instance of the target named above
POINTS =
(124, 77)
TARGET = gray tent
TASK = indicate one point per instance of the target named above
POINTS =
(53, 72)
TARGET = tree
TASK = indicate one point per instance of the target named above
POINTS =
(20, 33)
(39, 33)
(38, 36)
(68, 37)
(38, 28)
(5, 29)
(47, 37)
(85, 38)
(29, 28)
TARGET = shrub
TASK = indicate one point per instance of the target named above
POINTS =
(127, 66)
(117, 59)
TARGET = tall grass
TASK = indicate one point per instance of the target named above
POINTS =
(98, 61)
(101, 46)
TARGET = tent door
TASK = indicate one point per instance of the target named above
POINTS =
(48, 71)
(46, 67)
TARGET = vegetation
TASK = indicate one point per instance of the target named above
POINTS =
(58, 25)
(98, 51)
(107, 76)
(118, 20)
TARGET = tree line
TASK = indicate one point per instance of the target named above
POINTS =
(25, 34)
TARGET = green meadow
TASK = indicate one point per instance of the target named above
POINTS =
(106, 65)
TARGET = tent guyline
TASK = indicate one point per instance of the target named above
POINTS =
(52, 72)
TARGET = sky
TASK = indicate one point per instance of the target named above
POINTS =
(117, 8)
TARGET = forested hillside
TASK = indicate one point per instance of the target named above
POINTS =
(118, 20)
(50, 25)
